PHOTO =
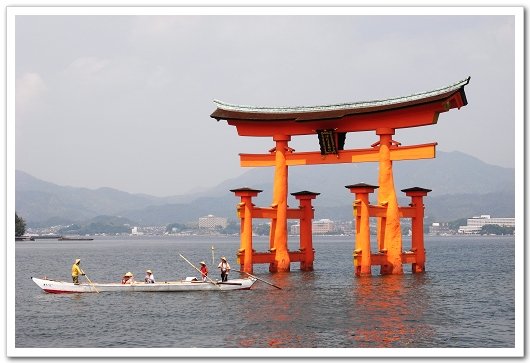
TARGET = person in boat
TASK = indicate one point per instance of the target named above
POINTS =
(204, 270)
(128, 278)
(225, 269)
(76, 271)
(149, 277)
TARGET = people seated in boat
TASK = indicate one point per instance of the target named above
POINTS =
(149, 277)
(76, 271)
(128, 278)
(204, 270)
(225, 269)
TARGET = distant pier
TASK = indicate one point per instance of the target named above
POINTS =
(53, 236)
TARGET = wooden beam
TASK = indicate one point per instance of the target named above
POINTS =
(412, 152)
(378, 259)
(380, 211)
(268, 257)
(270, 213)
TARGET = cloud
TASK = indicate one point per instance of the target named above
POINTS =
(85, 68)
(29, 88)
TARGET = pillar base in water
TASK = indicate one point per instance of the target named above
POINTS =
(277, 267)
(247, 269)
(391, 269)
(274, 268)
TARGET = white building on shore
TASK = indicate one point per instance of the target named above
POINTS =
(322, 226)
(475, 224)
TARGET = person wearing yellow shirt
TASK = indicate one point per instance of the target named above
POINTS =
(76, 271)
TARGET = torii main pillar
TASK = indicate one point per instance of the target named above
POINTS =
(278, 234)
(391, 239)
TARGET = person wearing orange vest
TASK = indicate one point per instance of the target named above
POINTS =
(204, 270)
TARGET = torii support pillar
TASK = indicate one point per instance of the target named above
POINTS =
(246, 207)
(306, 228)
(417, 242)
(361, 214)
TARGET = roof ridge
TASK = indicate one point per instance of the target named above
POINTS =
(339, 106)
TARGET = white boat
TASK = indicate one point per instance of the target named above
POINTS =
(190, 284)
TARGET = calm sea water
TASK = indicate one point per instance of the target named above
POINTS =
(465, 299)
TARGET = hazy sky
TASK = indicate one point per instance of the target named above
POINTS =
(123, 101)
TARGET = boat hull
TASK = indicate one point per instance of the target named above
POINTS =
(63, 287)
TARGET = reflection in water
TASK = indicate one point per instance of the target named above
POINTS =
(278, 316)
(389, 311)
(376, 312)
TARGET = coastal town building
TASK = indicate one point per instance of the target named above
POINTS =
(322, 226)
(475, 224)
(439, 229)
(212, 222)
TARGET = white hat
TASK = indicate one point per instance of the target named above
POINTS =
(149, 271)
(129, 274)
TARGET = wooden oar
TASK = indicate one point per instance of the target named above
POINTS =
(192, 265)
(90, 282)
(257, 278)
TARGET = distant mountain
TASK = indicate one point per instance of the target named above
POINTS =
(450, 207)
(462, 186)
(43, 202)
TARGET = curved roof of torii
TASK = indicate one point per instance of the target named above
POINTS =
(439, 100)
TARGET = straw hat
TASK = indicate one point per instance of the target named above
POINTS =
(223, 258)
(129, 274)
(149, 271)
(203, 263)
(77, 260)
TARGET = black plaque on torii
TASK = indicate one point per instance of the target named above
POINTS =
(330, 141)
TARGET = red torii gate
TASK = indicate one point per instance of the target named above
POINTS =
(331, 123)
